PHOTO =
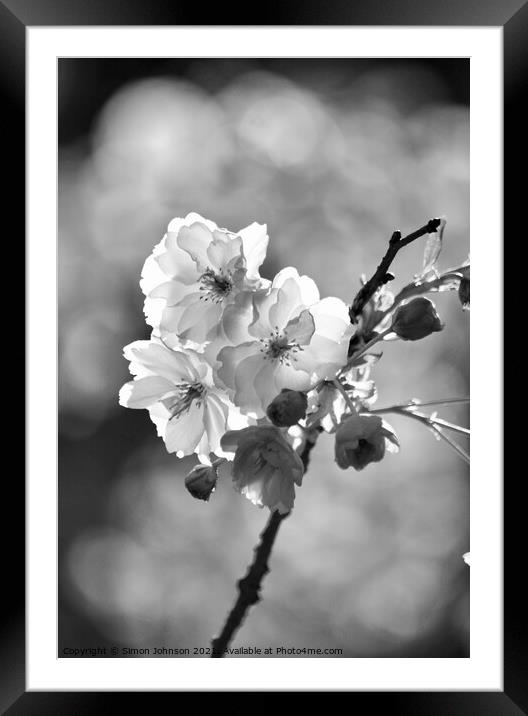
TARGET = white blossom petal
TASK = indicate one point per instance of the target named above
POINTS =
(309, 293)
(301, 329)
(152, 274)
(264, 385)
(237, 318)
(148, 357)
(192, 322)
(144, 392)
(289, 377)
(247, 395)
(255, 242)
(322, 358)
(160, 415)
(195, 239)
(287, 305)
(215, 418)
(184, 432)
(192, 218)
(174, 262)
(229, 358)
(224, 251)
(332, 320)
(171, 291)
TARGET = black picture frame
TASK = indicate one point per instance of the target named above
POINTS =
(15, 17)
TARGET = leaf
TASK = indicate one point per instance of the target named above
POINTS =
(433, 247)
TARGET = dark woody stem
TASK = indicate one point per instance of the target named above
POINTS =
(381, 275)
(249, 586)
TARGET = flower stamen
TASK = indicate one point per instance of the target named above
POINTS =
(215, 286)
(279, 348)
(186, 394)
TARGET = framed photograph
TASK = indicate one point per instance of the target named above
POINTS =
(252, 367)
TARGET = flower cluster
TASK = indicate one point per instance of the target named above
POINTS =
(246, 372)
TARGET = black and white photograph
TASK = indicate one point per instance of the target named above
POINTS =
(264, 419)
(263, 280)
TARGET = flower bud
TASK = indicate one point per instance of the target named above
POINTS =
(362, 439)
(287, 408)
(463, 292)
(201, 481)
(416, 319)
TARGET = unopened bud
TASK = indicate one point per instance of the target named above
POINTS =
(201, 481)
(463, 293)
(416, 319)
(287, 408)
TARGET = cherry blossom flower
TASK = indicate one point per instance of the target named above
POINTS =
(362, 439)
(295, 340)
(266, 467)
(177, 388)
(195, 272)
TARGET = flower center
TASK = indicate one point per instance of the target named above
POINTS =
(182, 401)
(279, 348)
(266, 456)
(215, 286)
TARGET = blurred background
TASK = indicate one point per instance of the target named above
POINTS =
(332, 155)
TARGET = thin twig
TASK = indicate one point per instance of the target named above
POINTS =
(432, 423)
(249, 586)
(442, 401)
(456, 447)
(345, 395)
(451, 426)
(420, 404)
(381, 275)
(353, 358)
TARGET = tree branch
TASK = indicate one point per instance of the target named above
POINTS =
(249, 586)
(381, 275)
